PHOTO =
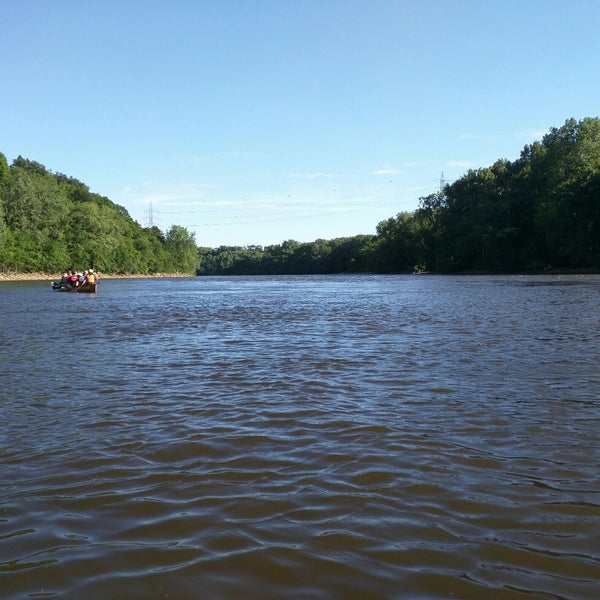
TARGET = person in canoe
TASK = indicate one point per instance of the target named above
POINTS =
(72, 279)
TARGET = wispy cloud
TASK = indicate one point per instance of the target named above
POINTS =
(530, 134)
(386, 171)
(462, 164)
(389, 170)
(317, 175)
(162, 194)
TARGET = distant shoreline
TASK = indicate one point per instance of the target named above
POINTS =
(10, 276)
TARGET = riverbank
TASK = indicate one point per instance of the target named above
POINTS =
(10, 276)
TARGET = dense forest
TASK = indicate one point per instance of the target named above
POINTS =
(538, 212)
(50, 222)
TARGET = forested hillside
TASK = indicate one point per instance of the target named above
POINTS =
(50, 222)
(540, 211)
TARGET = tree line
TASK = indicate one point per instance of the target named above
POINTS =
(538, 212)
(50, 222)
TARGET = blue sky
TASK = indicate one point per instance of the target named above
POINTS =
(259, 121)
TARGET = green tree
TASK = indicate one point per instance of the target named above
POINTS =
(395, 246)
(180, 246)
(35, 212)
(566, 213)
(478, 227)
(4, 181)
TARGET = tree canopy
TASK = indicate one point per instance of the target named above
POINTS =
(540, 211)
(50, 222)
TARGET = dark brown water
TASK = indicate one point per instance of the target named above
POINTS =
(319, 438)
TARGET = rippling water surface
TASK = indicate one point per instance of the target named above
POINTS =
(301, 437)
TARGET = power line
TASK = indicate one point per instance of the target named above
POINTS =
(381, 196)
(220, 216)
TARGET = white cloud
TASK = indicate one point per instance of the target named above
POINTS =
(386, 171)
(463, 164)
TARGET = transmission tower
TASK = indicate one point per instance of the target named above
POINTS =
(150, 214)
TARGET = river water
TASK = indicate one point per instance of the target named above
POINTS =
(301, 437)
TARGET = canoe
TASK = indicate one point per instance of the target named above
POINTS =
(86, 288)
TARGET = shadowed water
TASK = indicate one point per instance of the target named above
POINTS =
(301, 437)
